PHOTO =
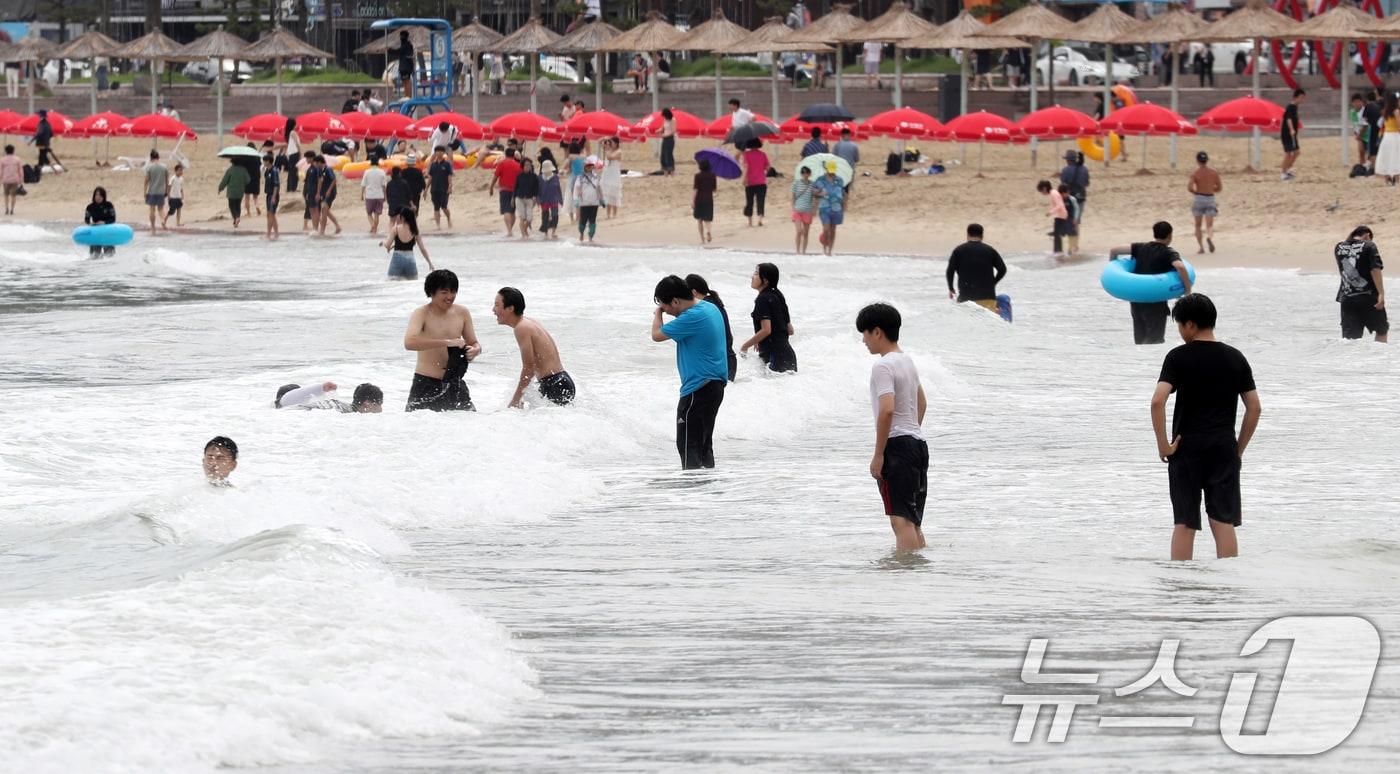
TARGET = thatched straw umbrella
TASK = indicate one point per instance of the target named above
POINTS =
(31, 50)
(472, 40)
(959, 34)
(1343, 23)
(830, 28)
(1105, 25)
(1033, 23)
(892, 26)
(217, 45)
(154, 46)
(529, 39)
(1174, 27)
(768, 39)
(652, 36)
(90, 45)
(278, 45)
(712, 36)
(588, 39)
(1256, 22)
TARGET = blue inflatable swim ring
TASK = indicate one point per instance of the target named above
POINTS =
(1121, 283)
(104, 235)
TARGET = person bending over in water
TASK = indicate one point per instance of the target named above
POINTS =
(698, 331)
(538, 354)
(441, 333)
(900, 462)
(368, 399)
(220, 460)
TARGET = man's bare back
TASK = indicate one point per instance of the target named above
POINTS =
(536, 343)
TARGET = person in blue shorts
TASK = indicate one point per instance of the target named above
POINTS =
(831, 205)
(698, 330)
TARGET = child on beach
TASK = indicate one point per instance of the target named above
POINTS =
(176, 200)
(551, 198)
(900, 462)
(272, 188)
(588, 195)
(100, 211)
(702, 205)
(527, 195)
(1058, 213)
(1071, 220)
(803, 205)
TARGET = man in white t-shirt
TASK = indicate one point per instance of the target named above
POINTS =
(900, 462)
(372, 192)
(742, 115)
(873, 50)
(445, 136)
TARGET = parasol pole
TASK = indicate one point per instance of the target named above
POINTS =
(1254, 161)
(278, 63)
(962, 91)
(773, 74)
(840, 50)
(155, 84)
(898, 78)
(93, 107)
(718, 97)
(476, 85)
(219, 100)
(29, 66)
(534, 63)
(1107, 95)
(1346, 117)
(655, 84)
(1176, 76)
(1035, 47)
(598, 79)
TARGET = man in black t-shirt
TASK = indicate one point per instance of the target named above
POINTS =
(1203, 457)
(1362, 291)
(1155, 257)
(1371, 114)
(1288, 134)
(440, 185)
(978, 267)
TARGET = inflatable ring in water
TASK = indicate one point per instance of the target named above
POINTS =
(103, 235)
(1120, 282)
(1091, 147)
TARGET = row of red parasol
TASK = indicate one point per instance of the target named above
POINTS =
(99, 125)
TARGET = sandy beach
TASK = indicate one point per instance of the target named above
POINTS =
(1263, 222)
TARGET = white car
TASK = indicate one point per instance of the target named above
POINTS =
(203, 71)
(1073, 68)
(72, 68)
(1234, 57)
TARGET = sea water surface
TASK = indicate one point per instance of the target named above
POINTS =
(544, 590)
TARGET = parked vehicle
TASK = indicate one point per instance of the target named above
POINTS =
(72, 68)
(1073, 67)
(203, 71)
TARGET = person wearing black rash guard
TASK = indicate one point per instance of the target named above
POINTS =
(441, 333)
(368, 399)
(539, 357)
(701, 289)
(978, 267)
(1155, 257)
(771, 323)
(100, 212)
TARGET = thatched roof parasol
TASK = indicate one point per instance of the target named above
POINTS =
(30, 48)
(89, 45)
(771, 38)
(896, 24)
(1344, 22)
(529, 39)
(280, 44)
(153, 45)
(654, 34)
(475, 37)
(713, 35)
(829, 28)
(959, 34)
(217, 44)
(418, 36)
(585, 39)
(1032, 22)
(1105, 25)
(1174, 26)
(1255, 20)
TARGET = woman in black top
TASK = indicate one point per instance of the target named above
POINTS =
(771, 324)
(396, 191)
(701, 290)
(100, 212)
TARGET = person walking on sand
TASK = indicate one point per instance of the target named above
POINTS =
(1155, 257)
(539, 356)
(1388, 153)
(1071, 225)
(668, 142)
(175, 203)
(772, 324)
(588, 194)
(1288, 135)
(1076, 176)
(11, 177)
(978, 268)
(755, 163)
(328, 190)
(831, 206)
(815, 145)
(551, 199)
(233, 184)
(1203, 455)
(504, 175)
(900, 462)
(698, 331)
(157, 187)
(527, 196)
(372, 185)
(1059, 215)
(803, 208)
(1362, 290)
(702, 203)
(440, 174)
(612, 175)
(1205, 183)
(272, 189)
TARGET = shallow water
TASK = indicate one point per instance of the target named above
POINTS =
(545, 590)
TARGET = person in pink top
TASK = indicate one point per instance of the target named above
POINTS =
(755, 163)
(1058, 212)
(11, 177)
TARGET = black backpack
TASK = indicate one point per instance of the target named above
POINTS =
(31, 174)
(1357, 170)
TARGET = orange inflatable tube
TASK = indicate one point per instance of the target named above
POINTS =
(1092, 147)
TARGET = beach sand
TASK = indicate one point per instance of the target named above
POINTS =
(1263, 222)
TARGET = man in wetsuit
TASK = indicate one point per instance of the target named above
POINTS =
(1362, 292)
(698, 331)
(441, 333)
(1155, 257)
(220, 460)
(978, 268)
(539, 357)
(368, 399)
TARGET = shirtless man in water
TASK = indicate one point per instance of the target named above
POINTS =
(538, 355)
(442, 335)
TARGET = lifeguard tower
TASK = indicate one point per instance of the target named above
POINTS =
(431, 88)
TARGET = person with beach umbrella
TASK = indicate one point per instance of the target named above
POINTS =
(234, 184)
(43, 140)
(831, 205)
(702, 204)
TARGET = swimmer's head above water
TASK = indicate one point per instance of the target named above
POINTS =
(220, 460)
(368, 399)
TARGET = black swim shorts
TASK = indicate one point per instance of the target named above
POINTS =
(438, 395)
(904, 478)
(778, 357)
(1290, 143)
(1359, 314)
(558, 388)
(439, 199)
(1210, 467)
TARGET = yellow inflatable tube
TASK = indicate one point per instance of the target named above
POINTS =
(1091, 147)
